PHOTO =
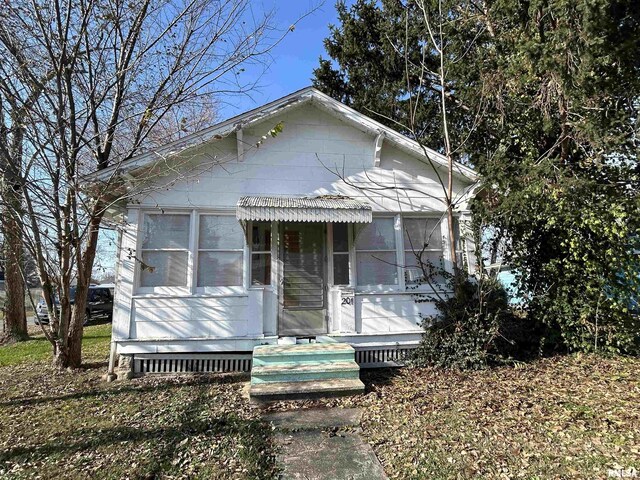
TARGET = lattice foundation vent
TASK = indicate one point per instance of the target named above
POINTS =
(167, 364)
(383, 356)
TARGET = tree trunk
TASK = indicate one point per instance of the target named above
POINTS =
(452, 238)
(76, 326)
(60, 355)
(14, 310)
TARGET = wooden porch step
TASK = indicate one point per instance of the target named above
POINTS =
(266, 392)
(301, 349)
(305, 367)
(307, 370)
(302, 353)
(298, 372)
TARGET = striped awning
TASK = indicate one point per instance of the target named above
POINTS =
(329, 208)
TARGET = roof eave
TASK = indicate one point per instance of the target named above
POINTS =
(215, 132)
(399, 140)
(257, 115)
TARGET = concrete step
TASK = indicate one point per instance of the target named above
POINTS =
(304, 353)
(265, 392)
(298, 372)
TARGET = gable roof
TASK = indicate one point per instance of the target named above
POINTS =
(260, 114)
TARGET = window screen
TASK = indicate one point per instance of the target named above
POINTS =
(340, 254)
(422, 249)
(220, 251)
(165, 250)
(376, 253)
(261, 253)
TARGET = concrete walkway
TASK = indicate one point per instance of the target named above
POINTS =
(324, 444)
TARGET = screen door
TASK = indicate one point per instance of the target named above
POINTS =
(302, 286)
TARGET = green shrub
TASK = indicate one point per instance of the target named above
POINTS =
(571, 236)
(465, 332)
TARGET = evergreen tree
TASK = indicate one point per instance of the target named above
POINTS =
(368, 48)
(544, 99)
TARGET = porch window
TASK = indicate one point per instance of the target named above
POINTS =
(422, 245)
(340, 254)
(376, 262)
(261, 253)
(165, 250)
(220, 250)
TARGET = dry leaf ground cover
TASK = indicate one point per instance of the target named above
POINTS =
(74, 425)
(564, 417)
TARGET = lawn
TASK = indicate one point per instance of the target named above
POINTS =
(95, 344)
(74, 425)
(564, 417)
(573, 416)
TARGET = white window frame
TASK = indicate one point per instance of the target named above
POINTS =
(164, 290)
(398, 258)
(252, 252)
(218, 290)
(349, 253)
(407, 250)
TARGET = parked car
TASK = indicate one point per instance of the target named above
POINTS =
(99, 304)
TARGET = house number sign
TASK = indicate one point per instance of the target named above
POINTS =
(347, 298)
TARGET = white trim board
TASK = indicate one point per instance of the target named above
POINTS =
(257, 115)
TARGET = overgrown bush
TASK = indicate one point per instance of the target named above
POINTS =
(466, 331)
(573, 246)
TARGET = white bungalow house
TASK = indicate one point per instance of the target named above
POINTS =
(308, 236)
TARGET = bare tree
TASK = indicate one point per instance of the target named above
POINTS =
(18, 94)
(423, 79)
(15, 320)
(110, 74)
(435, 42)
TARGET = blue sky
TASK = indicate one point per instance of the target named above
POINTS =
(291, 68)
(294, 59)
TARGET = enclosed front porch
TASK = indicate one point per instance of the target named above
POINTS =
(209, 284)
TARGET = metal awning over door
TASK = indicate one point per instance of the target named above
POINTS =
(334, 209)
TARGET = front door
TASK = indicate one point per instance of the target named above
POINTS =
(302, 285)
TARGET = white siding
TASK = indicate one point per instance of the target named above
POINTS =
(190, 317)
(390, 313)
(296, 162)
(125, 281)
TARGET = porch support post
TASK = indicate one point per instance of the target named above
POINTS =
(330, 279)
(192, 262)
(126, 279)
(273, 309)
(246, 267)
(398, 226)
(256, 311)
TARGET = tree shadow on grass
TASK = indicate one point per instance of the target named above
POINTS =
(95, 365)
(160, 384)
(167, 447)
